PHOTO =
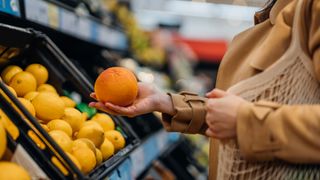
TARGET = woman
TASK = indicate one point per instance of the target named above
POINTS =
(266, 111)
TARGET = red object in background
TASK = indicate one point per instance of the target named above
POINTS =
(206, 50)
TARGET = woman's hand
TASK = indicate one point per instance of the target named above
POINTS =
(149, 99)
(222, 112)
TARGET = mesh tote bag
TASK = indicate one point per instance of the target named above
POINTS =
(290, 80)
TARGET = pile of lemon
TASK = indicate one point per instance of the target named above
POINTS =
(87, 142)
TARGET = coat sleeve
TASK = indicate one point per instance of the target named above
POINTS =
(267, 131)
(190, 114)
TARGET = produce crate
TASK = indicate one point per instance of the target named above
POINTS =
(27, 46)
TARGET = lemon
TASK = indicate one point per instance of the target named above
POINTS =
(92, 123)
(3, 139)
(85, 116)
(98, 156)
(62, 139)
(28, 105)
(104, 120)
(86, 159)
(89, 144)
(58, 124)
(48, 106)
(74, 160)
(39, 72)
(77, 144)
(11, 90)
(73, 117)
(9, 125)
(9, 72)
(92, 132)
(22, 83)
(107, 149)
(5, 95)
(13, 171)
(45, 127)
(116, 138)
(68, 102)
(31, 95)
(46, 88)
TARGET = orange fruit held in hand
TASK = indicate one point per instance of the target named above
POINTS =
(116, 85)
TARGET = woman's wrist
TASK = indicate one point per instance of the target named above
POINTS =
(164, 104)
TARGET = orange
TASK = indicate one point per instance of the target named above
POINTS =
(107, 149)
(104, 120)
(23, 82)
(48, 106)
(116, 85)
(116, 138)
(47, 88)
(39, 72)
(10, 170)
(28, 105)
(9, 72)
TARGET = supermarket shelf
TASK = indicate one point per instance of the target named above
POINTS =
(65, 20)
(11, 7)
(142, 157)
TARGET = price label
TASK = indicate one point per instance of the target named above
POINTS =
(84, 28)
(53, 16)
(37, 11)
(68, 22)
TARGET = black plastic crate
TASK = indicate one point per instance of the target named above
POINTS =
(35, 47)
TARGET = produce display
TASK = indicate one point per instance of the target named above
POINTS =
(9, 170)
(87, 142)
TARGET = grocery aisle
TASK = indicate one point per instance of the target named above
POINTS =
(51, 53)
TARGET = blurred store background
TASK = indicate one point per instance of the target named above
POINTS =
(175, 44)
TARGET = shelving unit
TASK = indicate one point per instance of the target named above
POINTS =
(142, 157)
(63, 19)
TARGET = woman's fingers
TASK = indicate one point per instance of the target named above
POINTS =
(93, 95)
(127, 111)
(102, 107)
(210, 133)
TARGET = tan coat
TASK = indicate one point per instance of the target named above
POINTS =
(250, 53)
